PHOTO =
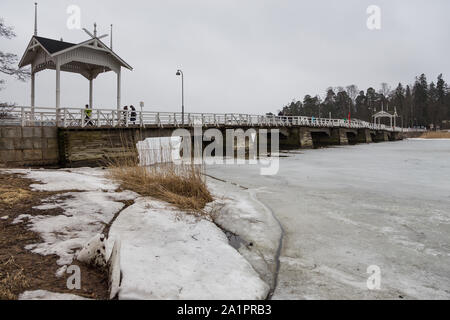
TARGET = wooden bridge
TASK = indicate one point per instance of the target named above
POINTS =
(108, 118)
(73, 136)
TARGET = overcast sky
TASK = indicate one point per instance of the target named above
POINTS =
(247, 56)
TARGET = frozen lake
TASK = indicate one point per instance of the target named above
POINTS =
(344, 209)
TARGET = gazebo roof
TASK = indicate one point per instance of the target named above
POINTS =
(88, 58)
(53, 46)
(382, 113)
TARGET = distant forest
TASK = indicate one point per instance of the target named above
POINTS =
(422, 104)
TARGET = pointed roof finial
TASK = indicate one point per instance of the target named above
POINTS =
(111, 39)
(95, 29)
(35, 18)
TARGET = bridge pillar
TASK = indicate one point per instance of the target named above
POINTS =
(289, 138)
(364, 136)
(339, 136)
(305, 138)
(381, 136)
(394, 136)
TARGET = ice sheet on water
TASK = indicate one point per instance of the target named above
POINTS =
(158, 150)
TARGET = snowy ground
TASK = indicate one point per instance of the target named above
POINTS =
(255, 231)
(164, 253)
(344, 209)
(47, 295)
(86, 211)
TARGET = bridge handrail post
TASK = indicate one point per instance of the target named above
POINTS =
(82, 115)
(65, 118)
(22, 116)
(158, 120)
(98, 118)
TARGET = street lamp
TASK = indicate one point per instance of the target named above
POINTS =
(180, 73)
(141, 116)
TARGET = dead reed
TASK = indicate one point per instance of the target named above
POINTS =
(182, 185)
(436, 135)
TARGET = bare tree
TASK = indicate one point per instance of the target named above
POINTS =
(8, 61)
(385, 89)
(352, 91)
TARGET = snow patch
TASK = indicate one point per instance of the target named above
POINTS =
(59, 180)
(85, 214)
(47, 295)
(93, 253)
(240, 212)
(166, 254)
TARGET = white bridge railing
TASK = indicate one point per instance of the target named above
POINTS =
(78, 117)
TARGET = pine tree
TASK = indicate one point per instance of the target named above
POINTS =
(329, 104)
(409, 109)
(398, 101)
(361, 107)
(420, 101)
(442, 107)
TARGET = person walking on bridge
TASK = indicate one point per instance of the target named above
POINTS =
(125, 115)
(87, 115)
(133, 114)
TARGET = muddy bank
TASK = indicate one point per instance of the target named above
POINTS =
(20, 269)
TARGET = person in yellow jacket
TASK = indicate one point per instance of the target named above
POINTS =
(87, 115)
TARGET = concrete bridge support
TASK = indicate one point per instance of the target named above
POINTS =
(305, 137)
(364, 136)
(94, 146)
(339, 136)
(394, 136)
(290, 138)
(381, 136)
(99, 146)
(28, 146)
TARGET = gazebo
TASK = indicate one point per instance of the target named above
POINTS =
(88, 58)
(383, 114)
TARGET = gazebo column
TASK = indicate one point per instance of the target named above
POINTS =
(91, 93)
(118, 90)
(32, 93)
(58, 89)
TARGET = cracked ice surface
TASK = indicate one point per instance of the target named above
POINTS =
(346, 208)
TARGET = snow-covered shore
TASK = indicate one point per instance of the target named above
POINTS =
(242, 214)
(165, 253)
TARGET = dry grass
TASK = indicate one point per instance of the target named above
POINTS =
(182, 185)
(436, 135)
(12, 282)
(11, 195)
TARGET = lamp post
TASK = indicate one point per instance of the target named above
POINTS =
(141, 118)
(180, 73)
